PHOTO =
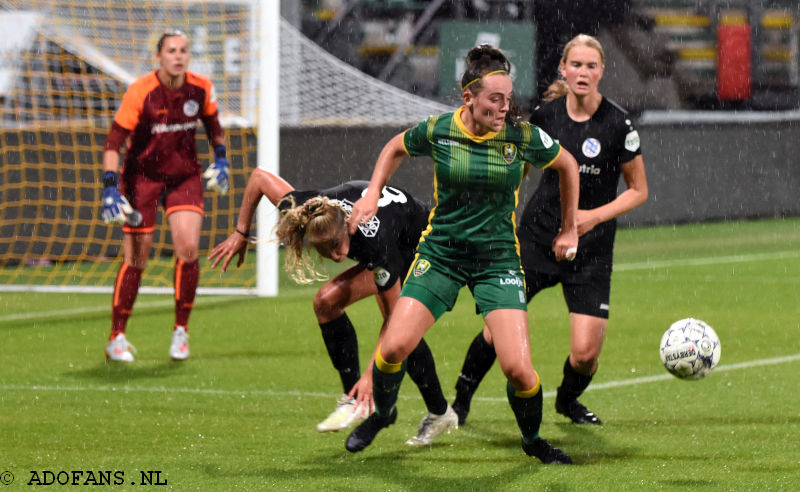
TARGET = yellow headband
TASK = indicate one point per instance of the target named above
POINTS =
(482, 76)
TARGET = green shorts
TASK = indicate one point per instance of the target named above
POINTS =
(436, 283)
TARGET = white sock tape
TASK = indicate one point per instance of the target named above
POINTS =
(571, 253)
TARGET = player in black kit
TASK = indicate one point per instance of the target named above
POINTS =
(383, 249)
(605, 143)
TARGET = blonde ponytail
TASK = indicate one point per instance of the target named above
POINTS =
(313, 225)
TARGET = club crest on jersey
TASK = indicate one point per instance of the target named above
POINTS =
(421, 267)
(591, 147)
(191, 107)
(509, 152)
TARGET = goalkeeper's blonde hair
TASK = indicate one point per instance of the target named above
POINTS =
(316, 224)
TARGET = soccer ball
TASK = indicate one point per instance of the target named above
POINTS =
(690, 349)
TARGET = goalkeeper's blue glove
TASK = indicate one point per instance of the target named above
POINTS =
(116, 208)
(218, 172)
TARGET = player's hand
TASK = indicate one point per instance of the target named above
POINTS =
(362, 392)
(364, 209)
(116, 208)
(565, 245)
(224, 251)
(218, 173)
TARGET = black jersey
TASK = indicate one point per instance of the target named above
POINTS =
(600, 145)
(386, 244)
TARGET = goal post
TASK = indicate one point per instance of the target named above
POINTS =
(268, 140)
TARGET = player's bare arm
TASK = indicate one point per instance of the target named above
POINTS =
(389, 160)
(565, 243)
(636, 193)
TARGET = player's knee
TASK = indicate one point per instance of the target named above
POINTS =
(327, 302)
(188, 254)
(396, 353)
(521, 376)
(584, 354)
(584, 361)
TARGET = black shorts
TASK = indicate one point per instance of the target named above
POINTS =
(586, 281)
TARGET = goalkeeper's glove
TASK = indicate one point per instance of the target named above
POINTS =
(116, 208)
(218, 172)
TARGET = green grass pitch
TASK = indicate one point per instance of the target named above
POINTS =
(240, 414)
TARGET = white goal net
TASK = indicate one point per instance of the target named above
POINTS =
(64, 65)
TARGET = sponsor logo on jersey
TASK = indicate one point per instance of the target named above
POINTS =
(177, 127)
(584, 169)
(447, 141)
(509, 152)
(604, 306)
(546, 140)
(512, 279)
(191, 107)
(591, 147)
(381, 276)
(421, 267)
(213, 96)
(370, 229)
(632, 141)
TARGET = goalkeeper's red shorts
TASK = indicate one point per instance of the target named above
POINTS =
(145, 194)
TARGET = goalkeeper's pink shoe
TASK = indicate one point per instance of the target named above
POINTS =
(119, 349)
(179, 349)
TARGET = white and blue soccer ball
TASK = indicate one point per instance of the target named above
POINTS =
(690, 349)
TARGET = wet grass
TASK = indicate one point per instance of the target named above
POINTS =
(241, 413)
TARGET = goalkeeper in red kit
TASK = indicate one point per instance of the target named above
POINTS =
(158, 118)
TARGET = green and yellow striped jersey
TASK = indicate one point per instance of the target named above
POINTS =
(476, 184)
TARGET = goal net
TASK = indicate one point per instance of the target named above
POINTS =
(64, 66)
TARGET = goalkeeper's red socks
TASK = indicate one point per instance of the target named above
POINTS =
(126, 288)
(186, 277)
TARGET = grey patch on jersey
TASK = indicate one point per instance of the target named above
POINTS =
(632, 141)
(381, 276)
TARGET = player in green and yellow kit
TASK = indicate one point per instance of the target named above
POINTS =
(480, 153)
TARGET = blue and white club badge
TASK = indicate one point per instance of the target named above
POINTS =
(191, 107)
(591, 147)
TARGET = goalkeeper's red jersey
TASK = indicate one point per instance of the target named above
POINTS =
(162, 123)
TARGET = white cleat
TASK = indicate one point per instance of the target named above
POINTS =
(345, 416)
(179, 349)
(433, 425)
(119, 349)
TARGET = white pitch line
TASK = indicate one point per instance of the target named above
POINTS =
(57, 313)
(303, 394)
(623, 267)
(710, 260)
